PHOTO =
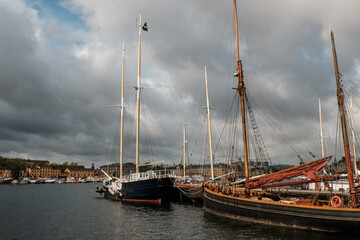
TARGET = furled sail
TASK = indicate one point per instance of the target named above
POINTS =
(308, 169)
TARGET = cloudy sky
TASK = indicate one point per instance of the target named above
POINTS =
(60, 69)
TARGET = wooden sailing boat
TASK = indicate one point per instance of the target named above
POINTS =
(330, 213)
(146, 187)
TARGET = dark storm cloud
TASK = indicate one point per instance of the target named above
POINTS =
(46, 106)
(56, 82)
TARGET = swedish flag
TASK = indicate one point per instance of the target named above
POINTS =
(145, 27)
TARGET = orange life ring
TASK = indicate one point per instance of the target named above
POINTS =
(335, 201)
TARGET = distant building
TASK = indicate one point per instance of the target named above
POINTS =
(43, 172)
(202, 170)
(4, 172)
(220, 169)
(49, 172)
(78, 173)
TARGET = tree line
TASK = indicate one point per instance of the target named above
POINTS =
(18, 165)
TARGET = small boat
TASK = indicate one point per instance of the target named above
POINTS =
(24, 182)
(77, 181)
(47, 181)
(188, 189)
(5, 181)
(14, 182)
(34, 181)
(192, 192)
(73, 180)
(59, 181)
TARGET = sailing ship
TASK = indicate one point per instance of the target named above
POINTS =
(334, 211)
(191, 187)
(146, 187)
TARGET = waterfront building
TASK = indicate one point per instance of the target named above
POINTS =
(43, 172)
(49, 172)
(78, 172)
(5, 172)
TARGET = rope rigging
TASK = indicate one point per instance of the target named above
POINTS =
(264, 155)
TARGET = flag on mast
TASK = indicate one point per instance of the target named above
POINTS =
(145, 27)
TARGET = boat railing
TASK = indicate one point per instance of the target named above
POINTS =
(148, 175)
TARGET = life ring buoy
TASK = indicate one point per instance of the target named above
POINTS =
(335, 201)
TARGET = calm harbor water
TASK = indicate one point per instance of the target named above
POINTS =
(76, 211)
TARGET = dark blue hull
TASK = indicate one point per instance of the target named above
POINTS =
(154, 190)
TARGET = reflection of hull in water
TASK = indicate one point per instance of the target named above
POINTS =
(154, 190)
(323, 218)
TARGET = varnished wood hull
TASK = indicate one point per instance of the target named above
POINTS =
(296, 216)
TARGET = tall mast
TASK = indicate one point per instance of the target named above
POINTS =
(138, 99)
(184, 150)
(353, 138)
(340, 98)
(122, 112)
(241, 90)
(209, 126)
(321, 132)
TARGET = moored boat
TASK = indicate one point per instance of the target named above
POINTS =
(297, 214)
(34, 181)
(5, 181)
(47, 181)
(148, 187)
(310, 210)
(141, 187)
(24, 182)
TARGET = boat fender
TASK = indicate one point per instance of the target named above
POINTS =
(335, 201)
